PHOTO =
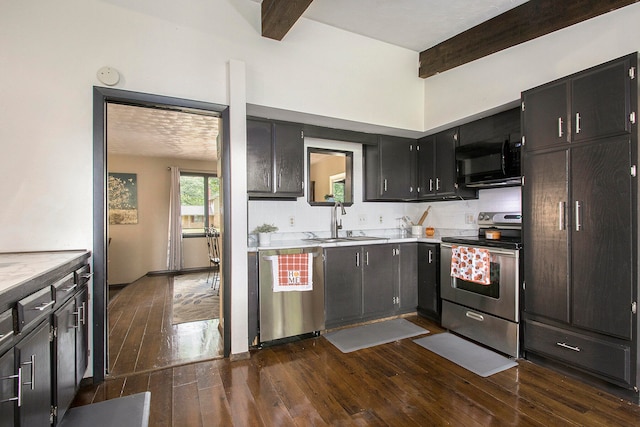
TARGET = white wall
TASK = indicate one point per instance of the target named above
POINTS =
(136, 249)
(498, 79)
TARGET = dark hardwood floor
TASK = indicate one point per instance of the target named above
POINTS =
(311, 383)
(142, 336)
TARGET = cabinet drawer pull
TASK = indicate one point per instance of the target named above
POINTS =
(437, 184)
(430, 184)
(19, 396)
(384, 185)
(577, 123)
(357, 259)
(430, 256)
(5, 336)
(578, 224)
(43, 306)
(87, 275)
(475, 316)
(567, 346)
(70, 288)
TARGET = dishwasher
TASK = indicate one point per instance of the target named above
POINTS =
(290, 312)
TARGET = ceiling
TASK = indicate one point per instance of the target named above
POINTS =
(143, 131)
(413, 24)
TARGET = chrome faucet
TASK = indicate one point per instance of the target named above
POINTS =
(335, 225)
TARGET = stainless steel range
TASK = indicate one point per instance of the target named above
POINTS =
(480, 296)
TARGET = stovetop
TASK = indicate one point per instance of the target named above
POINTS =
(504, 242)
(508, 223)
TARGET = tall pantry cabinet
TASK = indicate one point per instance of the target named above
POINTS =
(580, 224)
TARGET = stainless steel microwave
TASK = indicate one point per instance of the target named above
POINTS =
(489, 164)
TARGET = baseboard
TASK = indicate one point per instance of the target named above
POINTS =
(239, 356)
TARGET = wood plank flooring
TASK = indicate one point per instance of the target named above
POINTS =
(141, 336)
(311, 383)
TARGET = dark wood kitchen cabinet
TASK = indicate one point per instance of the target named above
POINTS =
(580, 199)
(591, 104)
(428, 260)
(377, 281)
(343, 285)
(33, 356)
(390, 169)
(437, 168)
(275, 159)
(45, 349)
(405, 276)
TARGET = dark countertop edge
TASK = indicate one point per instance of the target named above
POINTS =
(9, 297)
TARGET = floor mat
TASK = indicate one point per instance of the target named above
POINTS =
(128, 411)
(194, 299)
(359, 337)
(470, 356)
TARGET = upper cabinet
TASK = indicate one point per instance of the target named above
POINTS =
(275, 159)
(390, 169)
(404, 169)
(591, 104)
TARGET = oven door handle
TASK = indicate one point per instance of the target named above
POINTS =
(490, 249)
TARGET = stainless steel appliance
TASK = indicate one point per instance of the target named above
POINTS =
(488, 314)
(489, 163)
(291, 313)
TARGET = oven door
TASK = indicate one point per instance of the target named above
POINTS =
(500, 298)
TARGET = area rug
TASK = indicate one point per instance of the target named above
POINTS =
(470, 356)
(359, 337)
(194, 299)
(128, 411)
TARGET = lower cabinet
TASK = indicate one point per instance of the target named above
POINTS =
(429, 303)
(369, 282)
(33, 356)
(8, 389)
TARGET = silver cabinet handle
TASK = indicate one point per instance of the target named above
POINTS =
(43, 306)
(475, 316)
(577, 123)
(87, 275)
(559, 127)
(366, 258)
(561, 207)
(437, 184)
(5, 337)
(430, 256)
(32, 362)
(430, 184)
(84, 313)
(357, 259)
(567, 346)
(70, 288)
(578, 224)
(19, 396)
(279, 179)
(384, 185)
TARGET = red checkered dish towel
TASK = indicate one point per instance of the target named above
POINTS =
(292, 272)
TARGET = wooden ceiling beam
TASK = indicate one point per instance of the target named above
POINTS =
(278, 16)
(532, 19)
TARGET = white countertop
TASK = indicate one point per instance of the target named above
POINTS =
(296, 240)
(21, 267)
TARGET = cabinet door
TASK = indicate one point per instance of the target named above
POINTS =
(289, 160)
(343, 284)
(259, 157)
(445, 166)
(545, 199)
(397, 168)
(602, 241)
(8, 389)
(600, 101)
(65, 322)
(34, 357)
(377, 280)
(82, 334)
(545, 121)
(429, 303)
(407, 289)
(426, 168)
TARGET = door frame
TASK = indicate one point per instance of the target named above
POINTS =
(101, 96)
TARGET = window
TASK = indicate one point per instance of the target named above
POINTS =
(200, 200)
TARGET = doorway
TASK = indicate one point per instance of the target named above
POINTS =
(103, 97)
